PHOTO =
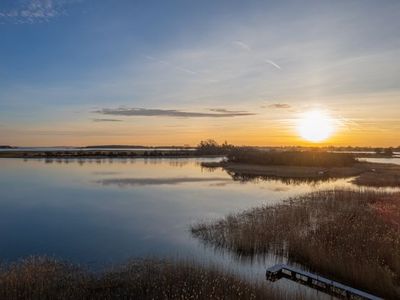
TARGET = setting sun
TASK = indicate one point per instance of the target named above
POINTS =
(200, 142)
(315, 126)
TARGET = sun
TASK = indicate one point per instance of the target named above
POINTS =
(315, 126)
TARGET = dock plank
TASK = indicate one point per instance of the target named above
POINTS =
(317, 282)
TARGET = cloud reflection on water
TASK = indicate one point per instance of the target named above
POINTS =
(125, 182)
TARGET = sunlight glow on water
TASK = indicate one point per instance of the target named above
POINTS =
(395, 160)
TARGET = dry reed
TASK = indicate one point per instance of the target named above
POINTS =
(46, 278)
(337, 233)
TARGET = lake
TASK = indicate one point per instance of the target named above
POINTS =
(74, 149)
(98, 212)
(392, 160)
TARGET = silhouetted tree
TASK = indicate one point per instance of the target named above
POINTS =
(388, 151)
(211, 147)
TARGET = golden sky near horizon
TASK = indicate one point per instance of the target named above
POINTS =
(76, 73)
(271, 124)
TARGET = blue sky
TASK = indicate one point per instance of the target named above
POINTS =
(156, 72)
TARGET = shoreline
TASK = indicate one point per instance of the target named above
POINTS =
(315, 230)
(367, 174)
(126, 153)
(103, 154)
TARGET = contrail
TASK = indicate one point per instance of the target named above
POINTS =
(167, 63)
(273, 64)
(242, 45)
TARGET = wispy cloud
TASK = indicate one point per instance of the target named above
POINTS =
(145, 112)
(280, 105)
(35, 11)
(272, 63)
(227, 111)
(106, 120)
(247, 48)
(174, 66)
(242, 45)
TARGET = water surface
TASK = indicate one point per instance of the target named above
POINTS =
(101, 211)
(392, 160)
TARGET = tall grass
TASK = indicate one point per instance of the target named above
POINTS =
(45, 278)
(290, 181)
(380, 177)
(336, 233)
(290, 158)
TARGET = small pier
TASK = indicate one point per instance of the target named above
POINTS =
(317, 282)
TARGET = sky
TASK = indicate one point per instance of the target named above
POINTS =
(86, 72)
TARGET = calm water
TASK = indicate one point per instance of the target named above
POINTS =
(67, 149)
(395, 160)
(97, 212)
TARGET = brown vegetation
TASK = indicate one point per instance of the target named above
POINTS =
(367, 174)
(290, 158)
(306, 165)
(380, 175)
(46, 278)
(211, 147)
(294, 172)
(339, 234)
(389, 209)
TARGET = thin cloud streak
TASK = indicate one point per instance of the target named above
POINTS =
(106, 120)
(145, 112)
(272, 63)
(247, 48)
(167, 63)
(280, 106)
(242, 45)
(227, 111)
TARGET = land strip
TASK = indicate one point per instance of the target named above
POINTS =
(366, 174)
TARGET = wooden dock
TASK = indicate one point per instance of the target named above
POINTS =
(317, 282)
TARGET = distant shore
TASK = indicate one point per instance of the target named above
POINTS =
(115, 151)
(101, 153)
(365, 173)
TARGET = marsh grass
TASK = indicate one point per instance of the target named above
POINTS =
(338, 233)
(380, 177)
(290, 158)
(47, 278)
(290, 181)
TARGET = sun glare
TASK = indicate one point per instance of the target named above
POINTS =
(315, 126)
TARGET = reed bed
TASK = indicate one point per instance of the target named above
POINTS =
(290, 158)
(341, 234)
(381, 177)
(47, 278)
